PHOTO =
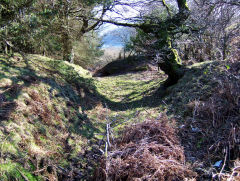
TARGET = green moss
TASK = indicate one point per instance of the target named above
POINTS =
(80, 70)
(13, 171)
(63, 163)
(201, 64)
(176, 56)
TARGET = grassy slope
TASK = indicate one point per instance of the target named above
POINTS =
(42, 119)
(54, 112)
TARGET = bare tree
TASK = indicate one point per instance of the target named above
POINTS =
(163, 29)
(218, 25)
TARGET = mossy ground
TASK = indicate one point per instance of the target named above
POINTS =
(52, 113)
(42, 119)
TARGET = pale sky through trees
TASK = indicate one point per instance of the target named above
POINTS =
(124, 13)
(119, 13)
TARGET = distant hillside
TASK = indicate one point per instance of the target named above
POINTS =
(112, 51)
(111, 40)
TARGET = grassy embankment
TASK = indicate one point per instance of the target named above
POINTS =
(43, 127)
(53, 114)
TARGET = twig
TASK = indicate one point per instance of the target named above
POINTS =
(196, 102)
(61, 168)
(164, 102)
(224, 163)
(23, 176)
(37, 171)
(106, 148)
(108, 140)
(147, 111)
(232, 175)
(107, 128)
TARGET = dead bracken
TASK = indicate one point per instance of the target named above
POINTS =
(149, 150)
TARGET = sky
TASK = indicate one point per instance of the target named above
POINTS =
(121, 12)
(112, 40)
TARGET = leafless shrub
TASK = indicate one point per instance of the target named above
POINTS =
(223, 105)
(214, 131)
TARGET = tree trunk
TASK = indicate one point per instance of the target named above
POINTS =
(67, 47)
(172, 63)
(6, 49)
(172, 67)
(72, 56)
(224, 51)
(174, 72)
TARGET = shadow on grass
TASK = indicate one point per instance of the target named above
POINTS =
(77, 91)
(151, 100)
(79, 94)
(21, 77)
(187, 86)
